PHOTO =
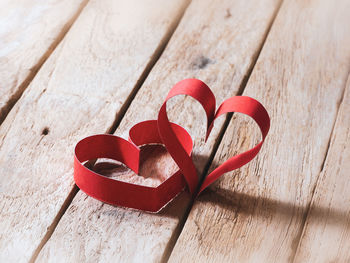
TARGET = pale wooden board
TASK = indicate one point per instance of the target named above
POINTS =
(216, 41)
(256, 214)
(29, 31)
(326, 236)
(77, 92)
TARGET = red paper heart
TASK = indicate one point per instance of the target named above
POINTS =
(128, 152)
(201, 92)
(177, 142)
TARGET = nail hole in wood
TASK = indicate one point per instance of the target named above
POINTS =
(228, 13)
(201, 62)
(45, 131)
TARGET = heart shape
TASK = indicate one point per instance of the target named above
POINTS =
(198, 90)
(120, 193)
(178, 143)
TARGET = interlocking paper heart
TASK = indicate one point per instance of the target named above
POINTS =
(178, 143)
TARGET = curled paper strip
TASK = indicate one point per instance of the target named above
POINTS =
(178, 143)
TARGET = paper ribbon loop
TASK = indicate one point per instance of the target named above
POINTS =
(253, 109)
(113, 147)
(199, 91)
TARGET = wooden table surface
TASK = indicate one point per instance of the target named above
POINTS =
(73, 68)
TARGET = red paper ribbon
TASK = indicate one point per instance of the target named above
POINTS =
(177, 142)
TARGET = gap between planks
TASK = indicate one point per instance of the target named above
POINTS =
(154, 58)
(228, 119)
(5, 109)
(312, 199)
(327, 230)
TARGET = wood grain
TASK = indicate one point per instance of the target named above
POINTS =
(29, 32)
(326, 236)
(256, 214)
(77, 92)
(218, 46)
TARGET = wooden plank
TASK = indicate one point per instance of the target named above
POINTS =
(327, 230)
(218, 46)
(78, 91)
(256, 214)
(29, 32)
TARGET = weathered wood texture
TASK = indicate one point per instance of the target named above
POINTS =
(256, 214)
(217, 45)
(29, 31)
(77, 92)
(326, 236)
